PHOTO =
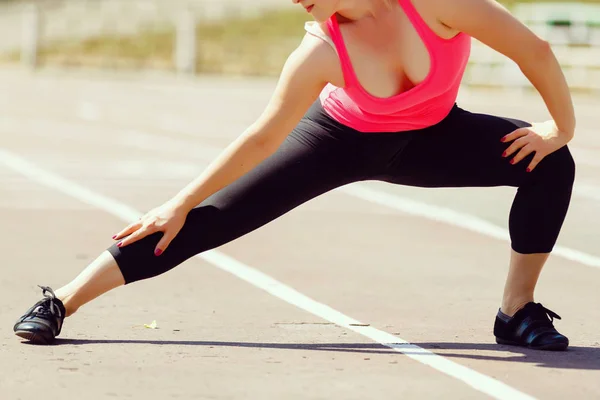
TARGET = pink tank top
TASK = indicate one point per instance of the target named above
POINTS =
(424, 105)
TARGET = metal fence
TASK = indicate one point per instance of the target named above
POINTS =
(572, 28)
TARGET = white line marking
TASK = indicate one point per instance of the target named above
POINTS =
(156, 142)
(89, 111)
(587, 190)
(135, 138)
(474, 379)
(585, 156)
(447, 215)
(455, 218)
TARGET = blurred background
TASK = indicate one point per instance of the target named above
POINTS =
(238, 37)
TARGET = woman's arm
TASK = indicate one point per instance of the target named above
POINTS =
(303, 77)
(494, 26)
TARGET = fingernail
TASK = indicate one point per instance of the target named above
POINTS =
(528, 169)
(119, 244)
(157, 252)
(512, 161)
(504, 154)
(503, 139)
(114, 237)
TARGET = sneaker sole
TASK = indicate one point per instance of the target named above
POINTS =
(33, 337)
(549, 347)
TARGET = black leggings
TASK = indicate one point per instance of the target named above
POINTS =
(321, 154)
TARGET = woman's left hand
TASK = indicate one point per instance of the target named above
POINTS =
(541, 138)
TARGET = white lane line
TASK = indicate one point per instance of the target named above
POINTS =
(446, 215)
(587, 190)
(140, 139)
(155, 142)
(584, 156)
(89, 111)
(421, 209)
(92, 113)
(454, 218)
(474, 379)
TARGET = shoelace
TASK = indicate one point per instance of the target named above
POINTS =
(48, 305)
(547, 313)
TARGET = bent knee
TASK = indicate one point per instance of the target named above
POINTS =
(559, 166)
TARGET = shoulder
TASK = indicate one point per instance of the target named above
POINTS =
(319, 30)
(489, 22)
(469, 14)
(315, 54)
(318, 40)
(305, 73)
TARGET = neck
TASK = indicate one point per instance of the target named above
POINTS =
(353, 10)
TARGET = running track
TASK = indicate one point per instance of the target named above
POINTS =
(372, 291)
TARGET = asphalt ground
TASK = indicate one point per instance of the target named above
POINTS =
(372, 291)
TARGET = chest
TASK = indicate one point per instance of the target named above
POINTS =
(389, 56)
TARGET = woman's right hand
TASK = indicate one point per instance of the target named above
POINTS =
(167, 218)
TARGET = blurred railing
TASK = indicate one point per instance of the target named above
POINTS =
(572, 28)
(68, 19)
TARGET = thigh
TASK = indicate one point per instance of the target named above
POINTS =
(309, 163)
(463, 150)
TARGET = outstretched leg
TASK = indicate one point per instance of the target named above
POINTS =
(465, 151)
(100, 276)
(315, 158)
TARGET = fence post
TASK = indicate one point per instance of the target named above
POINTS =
(185, 43)
(30, 35)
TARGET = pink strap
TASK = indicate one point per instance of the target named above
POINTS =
(427, 35)
(430, 39)
(336, 35)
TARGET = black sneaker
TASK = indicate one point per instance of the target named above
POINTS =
(530, 327)
(42, 322)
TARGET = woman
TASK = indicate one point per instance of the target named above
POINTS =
(369, 94)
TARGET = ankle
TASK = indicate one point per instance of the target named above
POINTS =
(511, 306)
(70, 306)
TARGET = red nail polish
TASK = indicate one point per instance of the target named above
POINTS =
(503, 140)
(114, 237)
(157, 252)
(119, 244)
(504, 154)
(528, 169)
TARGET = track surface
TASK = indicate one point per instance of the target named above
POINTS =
(382, 260)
